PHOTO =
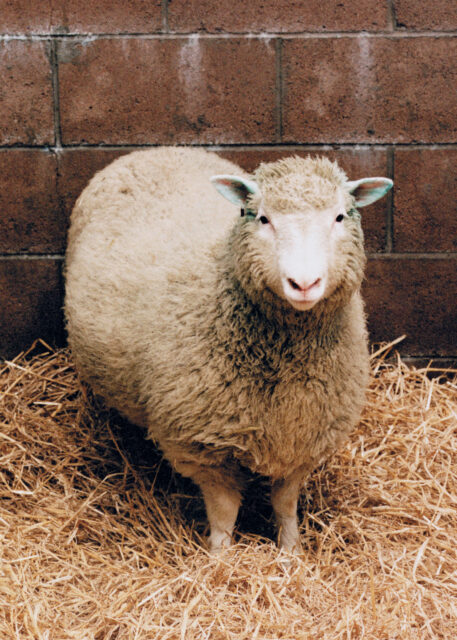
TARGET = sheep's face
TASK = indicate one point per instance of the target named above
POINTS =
(301, 250)
(301, 231)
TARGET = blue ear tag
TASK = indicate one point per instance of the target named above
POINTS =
(248, 213)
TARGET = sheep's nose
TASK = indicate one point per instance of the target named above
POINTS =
(303, 286)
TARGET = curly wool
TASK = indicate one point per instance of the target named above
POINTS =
(291, 183)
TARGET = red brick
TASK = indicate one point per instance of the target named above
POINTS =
(31, 295)
(77, 16)
(167, 91)
(31, 220)
(425, 215)
(26, 108)
(440, 15)
(276, 17)
(357, 163)
(415, 297)
(362, 89)
(76, 168)
(27, 16)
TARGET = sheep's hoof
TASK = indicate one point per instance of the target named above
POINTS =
(295, 549)
(216, 551)
(289, 541)
(285, 562)
(219, 544)
(290, 550)
(288, 557)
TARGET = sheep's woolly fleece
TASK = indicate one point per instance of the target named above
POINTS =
(99, 539)
(287, 184)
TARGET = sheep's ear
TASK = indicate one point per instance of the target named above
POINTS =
(368, 190)
(235, 189)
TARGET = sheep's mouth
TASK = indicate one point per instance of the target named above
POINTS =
(303, 305)
(303, 298)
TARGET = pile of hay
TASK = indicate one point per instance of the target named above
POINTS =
(100, 541)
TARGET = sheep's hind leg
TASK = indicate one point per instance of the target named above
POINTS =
(284, 498)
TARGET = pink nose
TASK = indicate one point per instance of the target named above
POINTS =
(303, 286)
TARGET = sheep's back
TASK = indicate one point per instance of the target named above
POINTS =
(143, 222)
(164, 194)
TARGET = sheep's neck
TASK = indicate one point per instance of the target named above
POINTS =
(272, 320)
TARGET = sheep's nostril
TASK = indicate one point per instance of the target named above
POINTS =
(303, 287)
(293, 284)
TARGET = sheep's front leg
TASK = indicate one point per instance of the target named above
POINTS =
(284, 498)
(222, 504)
(221, 491)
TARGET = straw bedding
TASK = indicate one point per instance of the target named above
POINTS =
(100, 541)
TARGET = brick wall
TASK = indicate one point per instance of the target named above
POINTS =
(369, 82)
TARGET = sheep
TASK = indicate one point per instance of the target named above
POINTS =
(235, 335)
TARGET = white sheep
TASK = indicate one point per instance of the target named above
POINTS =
(237, 341)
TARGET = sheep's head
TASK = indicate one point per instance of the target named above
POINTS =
(300, 228)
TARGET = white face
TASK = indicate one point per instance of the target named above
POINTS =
(304, 244)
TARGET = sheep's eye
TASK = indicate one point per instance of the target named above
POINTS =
(339, 218)
(264, 220)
